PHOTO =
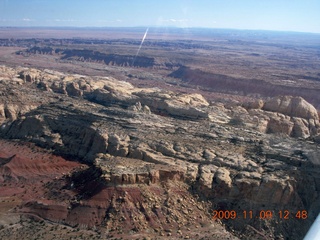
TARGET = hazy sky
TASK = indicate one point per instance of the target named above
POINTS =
(288, 15)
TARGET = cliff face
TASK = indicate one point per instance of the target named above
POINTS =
(94, 56)
(243, 87)
(109, 59)
(160, 160)
(289, 115)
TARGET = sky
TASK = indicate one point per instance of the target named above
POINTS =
(279, 15)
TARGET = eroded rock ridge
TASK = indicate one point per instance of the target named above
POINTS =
(252, 157)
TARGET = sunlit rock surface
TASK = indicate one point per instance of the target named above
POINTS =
(156, 161)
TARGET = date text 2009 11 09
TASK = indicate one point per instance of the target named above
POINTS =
(262, 214)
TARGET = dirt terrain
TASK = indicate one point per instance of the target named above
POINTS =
(243, 64)
(96, 142)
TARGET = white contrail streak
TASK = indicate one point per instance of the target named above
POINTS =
(144, 37)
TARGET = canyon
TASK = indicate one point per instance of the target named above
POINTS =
(97, 145)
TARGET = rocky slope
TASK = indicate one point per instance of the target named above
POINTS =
(110, 59)
(224, 83)
(159, 163)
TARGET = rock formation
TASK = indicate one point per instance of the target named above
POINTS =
(292, 116)
(291, 106)
(161, 161)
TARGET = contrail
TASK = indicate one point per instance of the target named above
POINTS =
(144, 37)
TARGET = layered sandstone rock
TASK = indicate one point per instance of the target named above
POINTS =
(216, 152)
(291, 106)
(121, 171)
(82, 141)
(13, 111)
(292, 116)
(109, 91)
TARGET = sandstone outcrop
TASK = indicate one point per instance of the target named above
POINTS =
(108, 91)
(119, 171)
(292, 116)
(139, 108)
(291, 106)
(171, 145)
(222, 182)
(13, 111)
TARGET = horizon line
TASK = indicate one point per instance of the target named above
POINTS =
(152, 27)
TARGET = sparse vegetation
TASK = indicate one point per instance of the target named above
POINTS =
(159, 172)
